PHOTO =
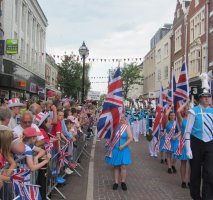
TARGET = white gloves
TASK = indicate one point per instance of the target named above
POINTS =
(188, 149)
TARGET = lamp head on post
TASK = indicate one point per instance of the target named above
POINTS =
(83, 50)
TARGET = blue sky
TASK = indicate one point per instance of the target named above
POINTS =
(110, 28)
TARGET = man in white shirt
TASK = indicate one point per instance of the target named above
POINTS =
(27, 121)
(14, 104)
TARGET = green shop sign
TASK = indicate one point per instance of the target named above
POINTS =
(11, 46)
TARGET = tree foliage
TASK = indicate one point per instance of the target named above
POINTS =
(70, 76)
(130, 76)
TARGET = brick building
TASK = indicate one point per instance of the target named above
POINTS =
(178, 38)
(210, 35)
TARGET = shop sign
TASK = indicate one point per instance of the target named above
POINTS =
(11, 46)
(33, 88)
(2, 44)
(22, 83)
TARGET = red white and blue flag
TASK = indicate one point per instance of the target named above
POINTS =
(159, 108)
(112, 108)
(31, 192)
(182, 87)
(48, 146)
(62, 159)
(17, 180)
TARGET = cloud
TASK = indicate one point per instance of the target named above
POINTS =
(110, 28)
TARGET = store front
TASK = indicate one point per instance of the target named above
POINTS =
(16, 81)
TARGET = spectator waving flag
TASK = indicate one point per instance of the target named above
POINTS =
(112, 108)
(182, 88)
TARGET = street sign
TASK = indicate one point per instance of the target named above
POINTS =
(11, 46)
(93, 95)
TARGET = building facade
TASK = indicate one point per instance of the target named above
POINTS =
(179, 35)
(149, 73)
(197, 45)
(210, 34)
(23, 70)
(51, 74)
(163, 62)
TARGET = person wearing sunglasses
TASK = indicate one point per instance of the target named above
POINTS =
(26, 122)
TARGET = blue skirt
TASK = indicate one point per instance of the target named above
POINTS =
(174, 146)
(162, 141)
(183, 156)
(119, 157)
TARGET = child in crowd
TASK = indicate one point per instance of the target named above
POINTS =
(72, 129)
(29, 139)
(43, 121)
(6, 137)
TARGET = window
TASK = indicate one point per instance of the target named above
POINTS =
(159, 75)
(158, 59)
(196, 3)
(16, 11)
(166, 72)
(23, 17)
(194, 62)
(28, 24)
(178, 13)
(177, 68)
(166, 49)
(178, 34)
(197, 25)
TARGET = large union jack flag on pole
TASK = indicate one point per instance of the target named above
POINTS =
(182, 87)
(112, 108)
(156, 127)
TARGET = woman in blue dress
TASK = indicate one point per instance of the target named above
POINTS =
(119, 154)
(182, 114)
(171, 141)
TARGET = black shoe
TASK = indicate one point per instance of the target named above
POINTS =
(123, 186)
(170, 171)
(174, 169)
(183, 185)
(161, 161)
(115, 186)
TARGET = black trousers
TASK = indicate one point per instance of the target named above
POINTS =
(201, 169)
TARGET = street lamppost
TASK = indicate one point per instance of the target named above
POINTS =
(84, 52)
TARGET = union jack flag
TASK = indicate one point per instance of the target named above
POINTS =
(63, 155)
(182, 87)
(31, 192)
(112, 108)
(48, 146)
(156, 127)
(18, 178)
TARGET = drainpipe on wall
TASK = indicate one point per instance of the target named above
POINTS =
(207, 34)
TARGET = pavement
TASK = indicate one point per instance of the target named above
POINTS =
(147, 179)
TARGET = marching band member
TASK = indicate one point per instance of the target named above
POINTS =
(182, 114)
(118, 153)
(171, 141)
(199, 146)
